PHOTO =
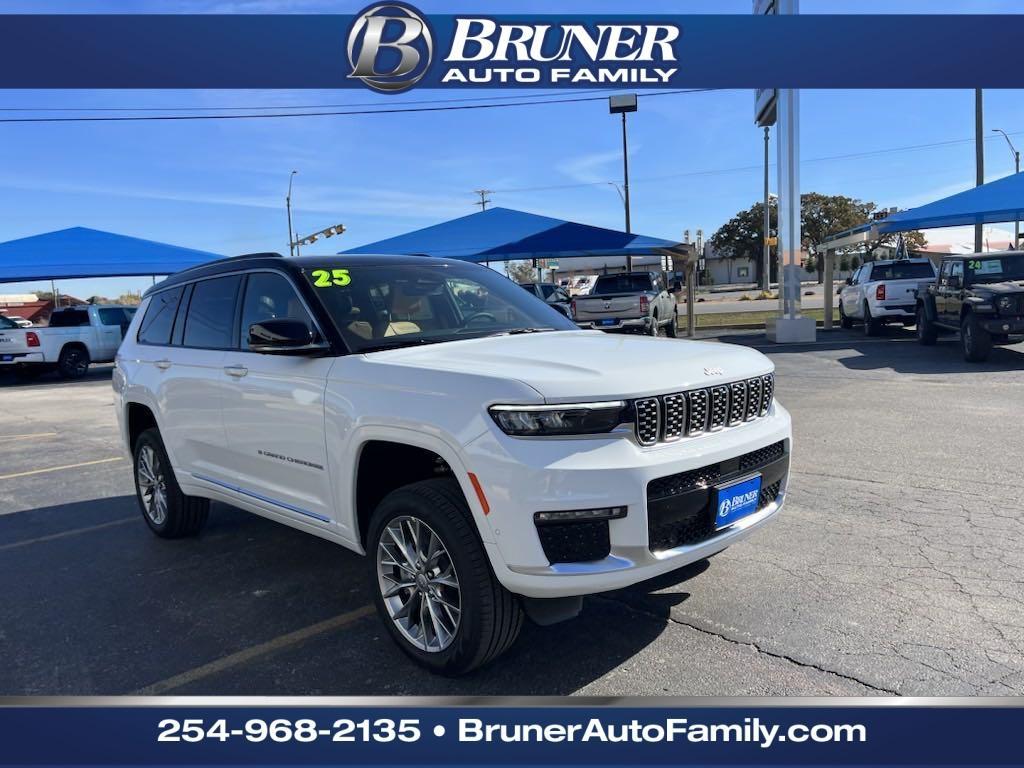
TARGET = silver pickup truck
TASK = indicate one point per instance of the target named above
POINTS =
(634, 301)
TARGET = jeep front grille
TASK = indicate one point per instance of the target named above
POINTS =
(686, 414)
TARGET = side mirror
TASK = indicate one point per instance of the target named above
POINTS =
(283, 336)
(839, 291)
(849, 281)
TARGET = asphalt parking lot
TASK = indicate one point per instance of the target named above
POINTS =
(896, 567)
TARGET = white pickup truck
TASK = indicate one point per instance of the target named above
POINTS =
(881, 292)
(75, 337)
(633, 301)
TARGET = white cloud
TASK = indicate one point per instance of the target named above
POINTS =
(593, 168)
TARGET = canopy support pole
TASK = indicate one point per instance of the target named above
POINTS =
(691, 296)
(830, 255)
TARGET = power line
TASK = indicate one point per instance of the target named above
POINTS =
(287, 106)
(147, 118)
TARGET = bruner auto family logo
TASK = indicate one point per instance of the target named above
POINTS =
(391, 49)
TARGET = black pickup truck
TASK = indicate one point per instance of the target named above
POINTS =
(981, 296)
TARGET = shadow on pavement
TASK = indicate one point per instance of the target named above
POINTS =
(111, 609)
(52, 380)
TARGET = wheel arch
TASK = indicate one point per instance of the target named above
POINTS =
(418, 456)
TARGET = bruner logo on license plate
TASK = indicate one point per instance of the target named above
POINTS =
(736, 501)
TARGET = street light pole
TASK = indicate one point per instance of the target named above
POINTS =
(288, 205)
(979, 158)
(622, 105)
(1016, 169)
(767, 254)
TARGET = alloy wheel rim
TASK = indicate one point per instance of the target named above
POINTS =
(152, 485)
(419, 584)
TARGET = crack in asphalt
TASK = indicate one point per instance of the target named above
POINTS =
(749, 643)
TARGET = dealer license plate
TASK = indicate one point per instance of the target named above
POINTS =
(6, 358)
(735, 501)
(611, 321)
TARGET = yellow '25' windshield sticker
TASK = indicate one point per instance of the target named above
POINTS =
(325, 278)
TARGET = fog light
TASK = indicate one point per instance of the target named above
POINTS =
(1006, 327)
(578, 515)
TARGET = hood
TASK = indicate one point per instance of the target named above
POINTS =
(1007, 286)
(570, 365)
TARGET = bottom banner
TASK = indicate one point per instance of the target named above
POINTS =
(175, 731)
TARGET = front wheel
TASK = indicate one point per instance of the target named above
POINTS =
(976, 341)
(168, 512)
(673, 326)
(844, 321)
(926, 332)
(432, 582)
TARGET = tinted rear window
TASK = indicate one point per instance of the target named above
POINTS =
(210, 321)
(5, 323)
(622, 284)
(69, 318)
(158, 323)
(908, 270)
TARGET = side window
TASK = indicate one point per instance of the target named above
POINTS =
(112, 316)
(210, 321)
(957, 270)
(269, 296)
(158, 322)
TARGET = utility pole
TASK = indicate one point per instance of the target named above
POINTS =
(288, 206)
(979, 158)
(483, 198)
(1016, 169)
(766, 256)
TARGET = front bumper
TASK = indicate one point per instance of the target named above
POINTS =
(21, 358)
(523, 476)
(997, 325)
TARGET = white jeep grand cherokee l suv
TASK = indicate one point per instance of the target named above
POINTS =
(488, 456)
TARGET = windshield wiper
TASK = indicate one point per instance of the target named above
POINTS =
(518, 331)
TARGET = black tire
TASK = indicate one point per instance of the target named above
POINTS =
(490, 616)
(872, 327)
(975, 340)
(183, 515)
(926, 331)
(653, 329)
(673, 326)
(844, 321)
(73, 362)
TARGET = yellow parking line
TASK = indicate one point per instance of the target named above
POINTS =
(5, 438)
(241, 657)
(58, 469)
(65, 534)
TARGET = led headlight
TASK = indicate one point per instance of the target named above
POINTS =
(552, 420)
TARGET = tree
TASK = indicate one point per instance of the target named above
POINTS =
(521, 271)
(742, 237)
(824, 215)
(914, 240)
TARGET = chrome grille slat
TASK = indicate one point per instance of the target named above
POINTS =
(753, 399)
(674, 417)
(648, 416)
(697, 400)
(667, 418)
(719, 407)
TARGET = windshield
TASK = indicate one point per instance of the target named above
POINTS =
(995, 270)
(902, 270)
(388, 306)
(621, 284)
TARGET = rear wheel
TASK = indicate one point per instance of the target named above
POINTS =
(926, 332)
(872, 327)
(432, 582)
(73, 362)
(652, 329)
(975, 340)
(168, 512)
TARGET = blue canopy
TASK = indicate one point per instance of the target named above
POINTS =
(502, 234)
(999, 200)
(80, 252)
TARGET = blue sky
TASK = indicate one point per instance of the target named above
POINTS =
(695, 158)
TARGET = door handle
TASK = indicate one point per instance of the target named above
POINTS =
(163, 365)
(238, 371)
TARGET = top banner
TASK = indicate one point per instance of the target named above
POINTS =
(393, 47)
